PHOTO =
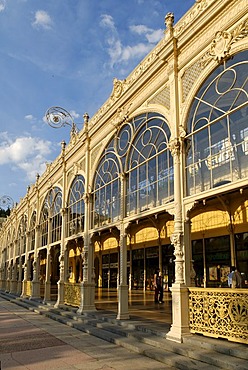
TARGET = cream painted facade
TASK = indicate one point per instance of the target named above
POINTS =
(157, 178)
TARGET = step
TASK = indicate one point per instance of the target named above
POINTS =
(196, 352)
(238, 350)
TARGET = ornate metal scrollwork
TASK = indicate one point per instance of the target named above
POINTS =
(72, 294)
(58, 117)
(6, 202)
(219, 313)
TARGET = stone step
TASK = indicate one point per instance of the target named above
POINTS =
(197, 352)
(197, 341)
(223, 346)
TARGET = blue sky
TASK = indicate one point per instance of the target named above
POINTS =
(64, 53)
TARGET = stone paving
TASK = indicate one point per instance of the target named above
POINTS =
(32, 341)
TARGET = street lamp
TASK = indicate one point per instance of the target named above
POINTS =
(59, 117)
(6, 202)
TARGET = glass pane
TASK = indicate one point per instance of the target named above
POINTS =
(217, 127)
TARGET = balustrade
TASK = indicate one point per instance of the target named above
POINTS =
(72, 294)
(219, 313)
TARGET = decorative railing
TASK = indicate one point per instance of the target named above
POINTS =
(219, 313)
(72, 294)
(29, 288)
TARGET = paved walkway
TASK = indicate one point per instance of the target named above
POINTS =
(140, 305)
(32, 341)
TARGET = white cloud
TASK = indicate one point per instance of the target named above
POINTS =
(26, 153)
(74, 114)
(42, 20)
(152, 36)
(107, 21)
(119, 53)
(130, 52)
(155, 36)
(112, 39)
(2, 5)
(29, 117)
(140, 29)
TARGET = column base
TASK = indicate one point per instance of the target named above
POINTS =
(60, 300)
(13, 286)
(123, 313)
(24, 289)
(19, 287)
(180, 313)
(47, 293)
(35, 290)
(87, 298)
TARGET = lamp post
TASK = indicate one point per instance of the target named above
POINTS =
(6, 202)
(58, 117)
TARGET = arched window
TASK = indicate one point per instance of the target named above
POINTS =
(139, 151)
(218, 128)
(32, 230)
(51, 209)
(44, 223)
(76, 209)
(149, 164)
(55, 201)
(106, 194)
(21, 235)
(10, 245)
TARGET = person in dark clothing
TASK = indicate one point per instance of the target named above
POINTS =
(158, 284)
(236, 279)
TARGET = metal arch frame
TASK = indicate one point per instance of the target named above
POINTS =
(194, 162)
(123, 154)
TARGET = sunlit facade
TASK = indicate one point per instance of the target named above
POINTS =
(157, 178)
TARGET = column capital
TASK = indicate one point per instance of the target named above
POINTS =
(175, 147)
(123, 227)
(86, 197)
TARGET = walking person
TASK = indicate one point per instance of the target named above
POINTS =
(158, 284)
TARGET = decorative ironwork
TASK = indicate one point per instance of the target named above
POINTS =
(28, 288)
(58, 117)
(72, 294)
(6, 202)
(219, 313)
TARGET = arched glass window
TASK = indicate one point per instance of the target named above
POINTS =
(149, 164)
(106, 194)
(76, 209)
(51, 209)
(218, 128)
(32, 230)
(55, 200)
(10, 245)
(140, 152)
(44, 223)
(21, 235)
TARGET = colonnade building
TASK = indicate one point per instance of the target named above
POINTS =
(157, 178)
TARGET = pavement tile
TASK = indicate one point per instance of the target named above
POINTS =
(29, 341)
